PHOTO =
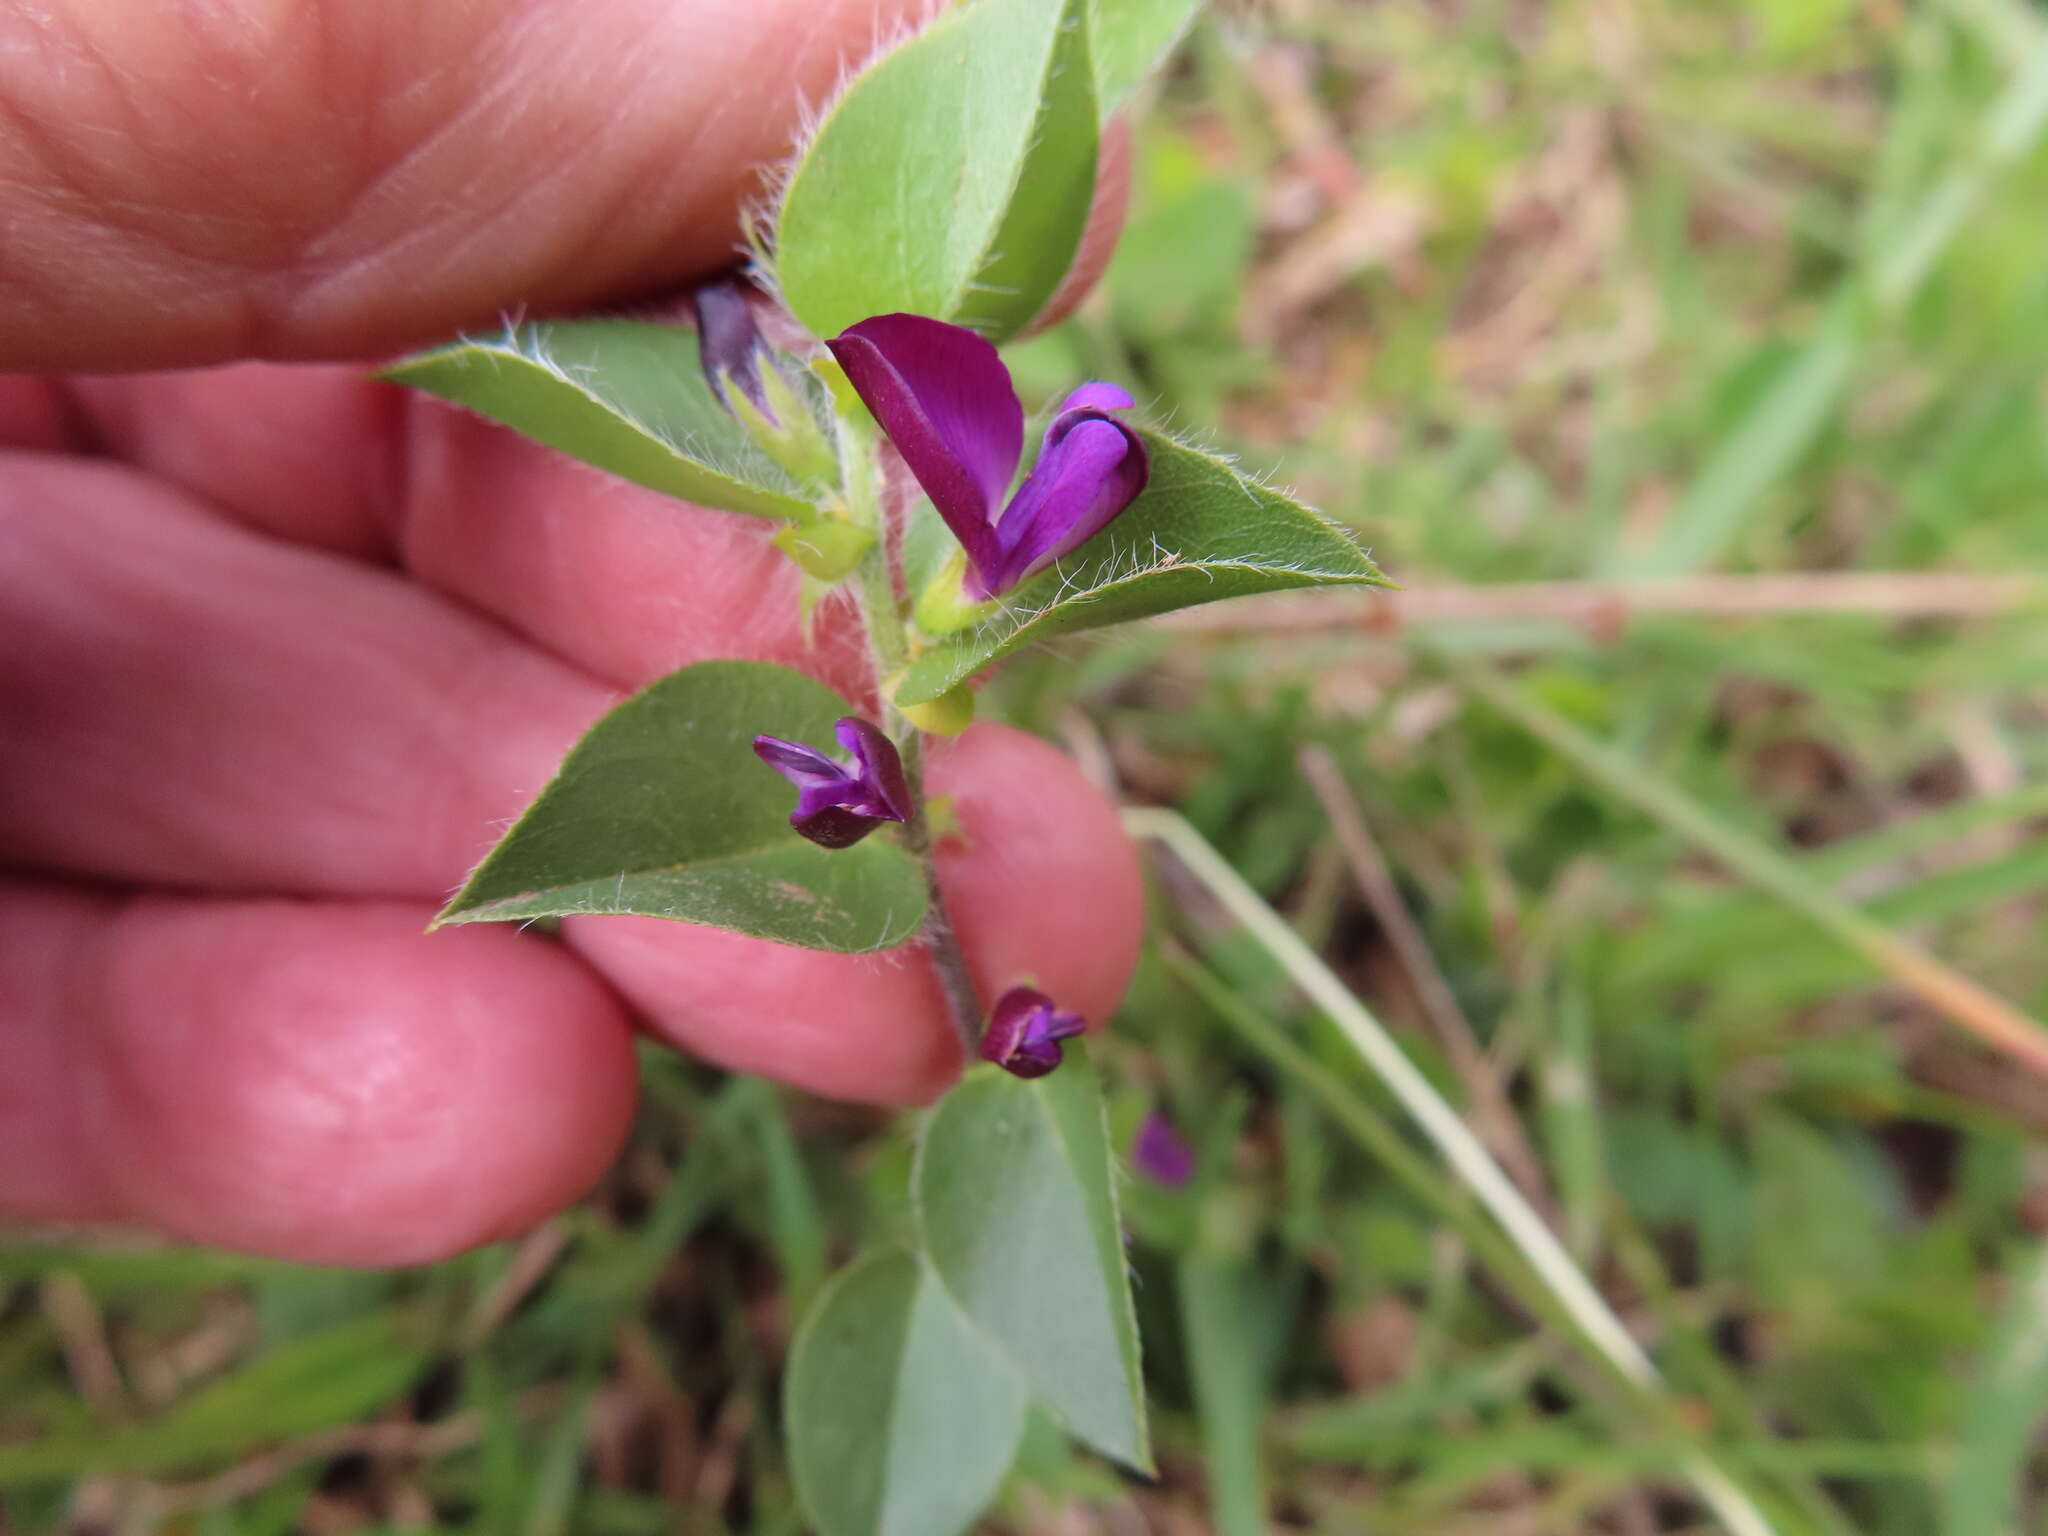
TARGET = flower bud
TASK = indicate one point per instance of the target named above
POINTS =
(835, 806)
(1025, 1030)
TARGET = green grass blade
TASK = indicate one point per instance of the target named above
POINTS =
(2007, 1407)
(1990, 1018)
(1217, 1295)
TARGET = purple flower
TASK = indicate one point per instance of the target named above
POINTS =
(1025, 1031)
(729, 343)
(1158, 1152)
(836, 808)
(946, 401)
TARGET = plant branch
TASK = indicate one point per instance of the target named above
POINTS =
(1606, 606)
(940, 940)
(1493, 1116)
(883, 616)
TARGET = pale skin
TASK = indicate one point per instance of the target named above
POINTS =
(283, 648)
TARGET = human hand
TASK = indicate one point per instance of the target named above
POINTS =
(286, 647)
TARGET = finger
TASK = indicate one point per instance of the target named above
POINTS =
(1045, 889)
(316, 1081)
(309, 453)
(190, 703)
(320, 454)
(198, 704)
(342, 178)
(33, 416)
(622, 581)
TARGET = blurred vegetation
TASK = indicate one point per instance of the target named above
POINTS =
(1665, 350)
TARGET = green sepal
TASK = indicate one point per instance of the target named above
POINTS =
(827, 549)
(943, 607)
(947, 715)
(788, 432)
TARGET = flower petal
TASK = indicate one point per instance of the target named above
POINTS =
(836, 808)
(833, 826)
(1090, 469)
(1160, 1154)
(881, 767)
(1097, 396)
(803, 766)
(728, 341)
(1025, 1030)
(1008, 1021)
(946, 401)
(1034, 1058)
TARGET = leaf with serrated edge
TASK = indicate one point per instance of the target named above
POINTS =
(952, 178)
(625, 395)
(1199, 532)
(1016, 1201)
(902, 1421)
(663, 810)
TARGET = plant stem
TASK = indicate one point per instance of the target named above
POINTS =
(883, 616)
(962, 1004)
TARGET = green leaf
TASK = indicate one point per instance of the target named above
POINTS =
(1129, 38)
(901, 1421)
(953, 177)
(663, 809)
(624, 395)
(1015, 1196)
(1200, 531)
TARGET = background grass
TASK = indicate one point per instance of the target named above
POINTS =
(1665, 350)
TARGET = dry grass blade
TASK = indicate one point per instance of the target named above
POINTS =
(1493, 1115)
(1607, 606)
(1964, 1002)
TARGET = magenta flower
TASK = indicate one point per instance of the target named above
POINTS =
(835, 807)
(1025, 1030)
(946, 401)
(1158, 1152)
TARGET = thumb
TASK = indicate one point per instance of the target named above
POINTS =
(343, 178)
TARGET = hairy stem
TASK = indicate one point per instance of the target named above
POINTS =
(962, 1004)
(884, 613)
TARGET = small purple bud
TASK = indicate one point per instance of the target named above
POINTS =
(729, 343)
(1025, 1030)
(1158, 1152)
(946, 401)
(835, 807)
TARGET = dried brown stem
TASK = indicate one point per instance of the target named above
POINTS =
(82, 1333)
(1493, 1115)
(1606, 606)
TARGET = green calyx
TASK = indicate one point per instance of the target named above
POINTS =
(943, 607)
(786, 432)
(825, 548)
(947, 715)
